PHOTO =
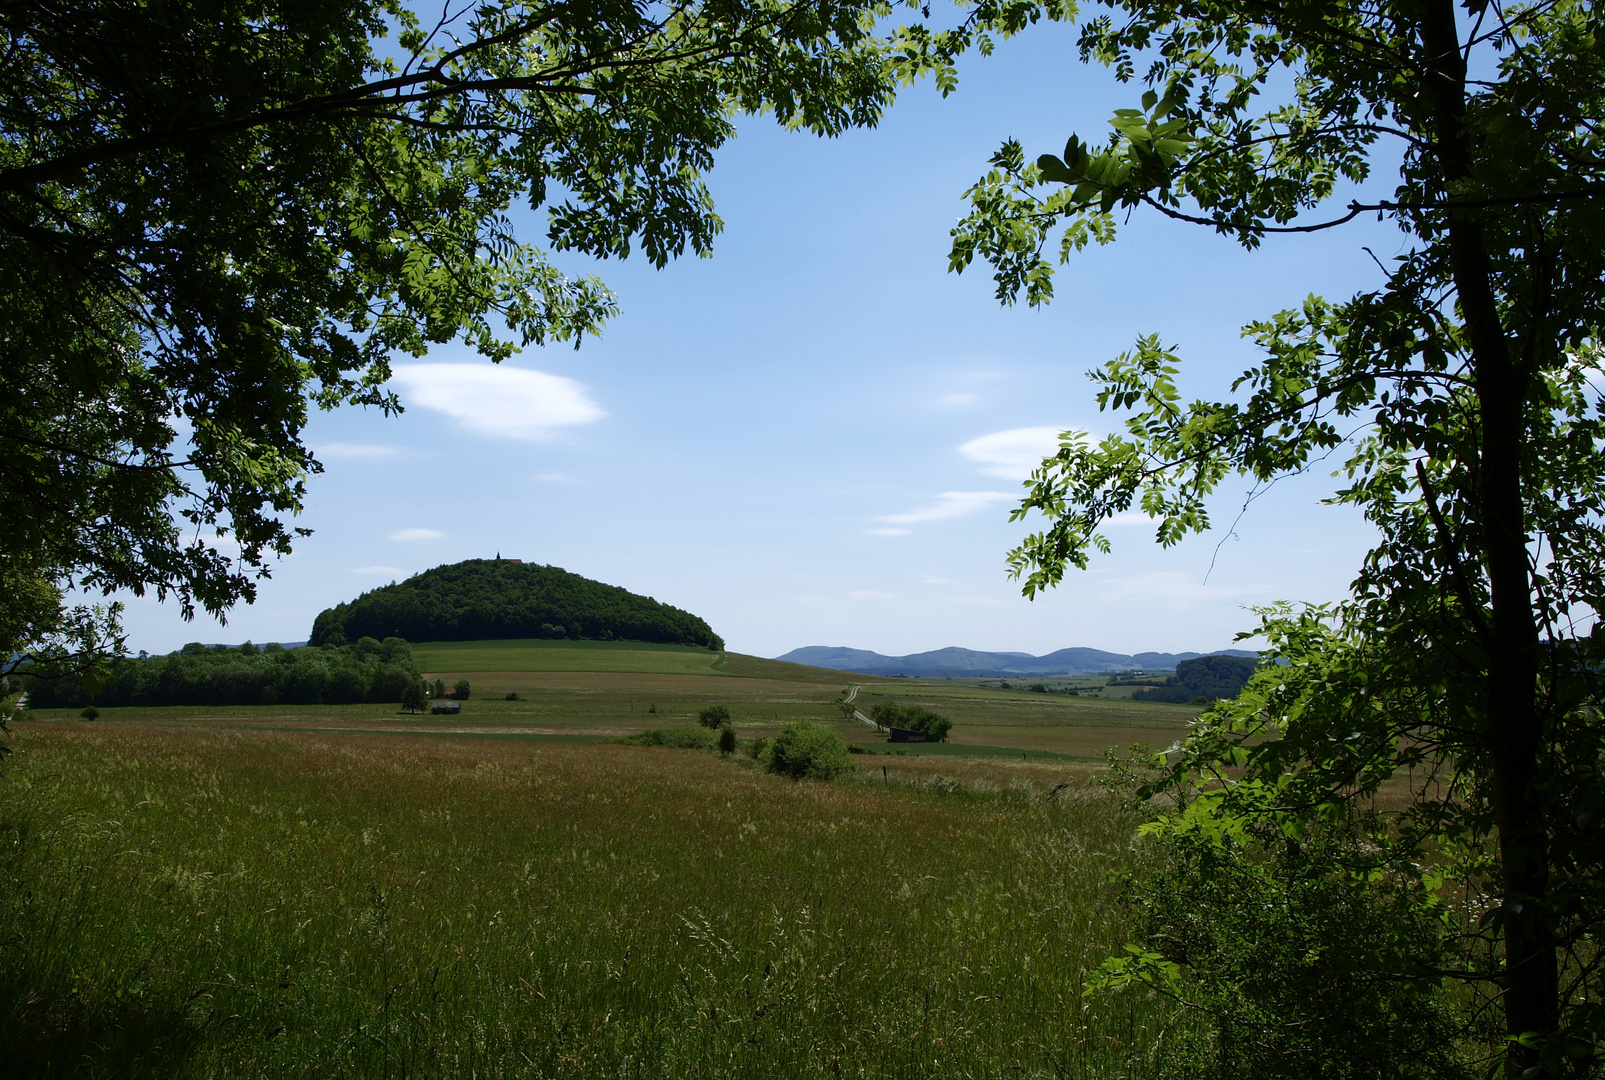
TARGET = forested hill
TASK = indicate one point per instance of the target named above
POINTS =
(487, 599)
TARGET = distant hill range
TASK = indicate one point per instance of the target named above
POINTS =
(971, 664)
(497, 599)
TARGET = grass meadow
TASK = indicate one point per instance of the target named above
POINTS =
(218, 903)
(352, 891)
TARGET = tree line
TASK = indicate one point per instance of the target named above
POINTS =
(367, 671)
(488, 599)
(1202, 679)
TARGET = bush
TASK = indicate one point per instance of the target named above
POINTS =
(512, 695)
(727, 741)
(1295, 967)
(806, 749)
(460, 690)
(714, 716)
(757, 748)
(90, 713)
(684, 737)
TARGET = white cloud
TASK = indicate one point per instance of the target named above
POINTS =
(868, 594)
(357, 450)
(937, 581)
(498, 401)
(959, 399)
(1012, 454)
(379, 571)
(887, 532)
(949, 504)
(417, 534)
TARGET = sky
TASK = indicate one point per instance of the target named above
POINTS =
(815, 436)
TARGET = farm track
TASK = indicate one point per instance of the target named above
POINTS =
(851, 694)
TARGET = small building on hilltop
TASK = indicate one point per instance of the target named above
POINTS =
(903, 734)
(442, 705)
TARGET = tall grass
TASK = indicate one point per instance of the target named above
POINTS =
(219, 904)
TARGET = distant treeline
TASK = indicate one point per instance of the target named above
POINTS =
(369, 670)
(1202, 680)
(487, 599)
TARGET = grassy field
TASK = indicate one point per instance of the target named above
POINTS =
(590, 688)
(536, 654)
(193, 898)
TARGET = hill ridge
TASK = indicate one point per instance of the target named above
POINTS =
(973, 663)
(500, 599)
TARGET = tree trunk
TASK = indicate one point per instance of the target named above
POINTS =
(1514, 724)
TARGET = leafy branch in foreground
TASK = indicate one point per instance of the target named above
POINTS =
(212, 221)
(1439, 733)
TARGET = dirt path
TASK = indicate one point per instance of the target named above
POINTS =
(851, 694)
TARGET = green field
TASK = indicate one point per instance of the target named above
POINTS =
(608, 688)
(308, 891)
(537, 654)
(185, 901)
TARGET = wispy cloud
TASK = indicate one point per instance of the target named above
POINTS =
(377, 571)
(958, 399)
(937, 581)
(887, 532)
(359, 451)
(949, 504)
(498, 401)
(417, 534)
(1012, 454)
(869, 594)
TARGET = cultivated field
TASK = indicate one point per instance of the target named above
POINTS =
(588, 691)
(185, 901)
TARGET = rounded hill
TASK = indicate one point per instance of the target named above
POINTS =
(491, 599)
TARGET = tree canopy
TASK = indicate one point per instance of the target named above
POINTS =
(1460, 394)
(487, 599)
(214, 218)
(1202, 678)
(365, 670)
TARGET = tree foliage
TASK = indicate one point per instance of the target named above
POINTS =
(368, 670)
(215, 218)
(1205, 678)
(714, 716)
(1461, 395)
(484, 599)
(889, 714)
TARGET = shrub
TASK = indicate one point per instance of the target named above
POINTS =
(440, 688)
(806, 749)
(90, 713)
(757, 748)
(727, 741)
(683, 737)
(714, 716)
(512, 695)
(460, 690)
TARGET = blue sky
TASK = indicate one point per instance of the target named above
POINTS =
(814, 437)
